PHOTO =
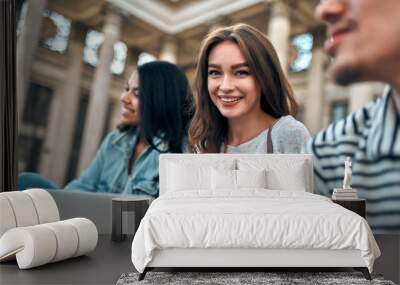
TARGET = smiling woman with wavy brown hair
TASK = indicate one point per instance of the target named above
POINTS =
(241, 92)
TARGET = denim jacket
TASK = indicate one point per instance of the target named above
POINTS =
(108, 172)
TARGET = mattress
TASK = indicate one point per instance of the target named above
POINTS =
(250, 219)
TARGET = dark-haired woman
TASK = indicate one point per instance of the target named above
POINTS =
(154, 117)
(243, 100)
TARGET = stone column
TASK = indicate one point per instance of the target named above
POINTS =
(169, 50)
(53, 126)
(99, 94)
(132, 58)
(315, 92)
(360, 95)
(62, 121)
(27, 42)
(131, 65)
(279, 31)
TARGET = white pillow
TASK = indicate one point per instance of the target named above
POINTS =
(293, 180)
(190, 175)
(181, 177)
(223, 179)
(251, 178)
(283, 172)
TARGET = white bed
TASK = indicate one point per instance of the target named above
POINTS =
(240, 211)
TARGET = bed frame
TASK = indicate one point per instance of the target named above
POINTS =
(247, 259)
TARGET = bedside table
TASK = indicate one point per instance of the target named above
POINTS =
(133, 209)
(356, 205)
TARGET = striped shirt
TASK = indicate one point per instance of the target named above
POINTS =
(371, 137)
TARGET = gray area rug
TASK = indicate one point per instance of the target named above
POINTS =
(229, 278)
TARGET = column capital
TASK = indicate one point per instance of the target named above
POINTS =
(169, 48)
(279, 8)
(112, 8)
(167, 38)
(112, 21)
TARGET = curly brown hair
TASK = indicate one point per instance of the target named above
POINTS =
(208, 128)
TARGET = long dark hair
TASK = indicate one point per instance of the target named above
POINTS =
(209, 129)
(165, 103)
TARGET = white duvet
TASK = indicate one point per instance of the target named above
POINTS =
(254, 218)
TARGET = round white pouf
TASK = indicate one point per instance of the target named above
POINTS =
(46, 207)
(23, 208)
(40, 244)
(26, 208)
(32, 246)
(6, 215)
(67, 240)
(87, 232)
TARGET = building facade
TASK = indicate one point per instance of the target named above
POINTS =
(74, 58)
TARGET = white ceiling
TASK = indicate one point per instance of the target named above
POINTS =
(172, 21)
